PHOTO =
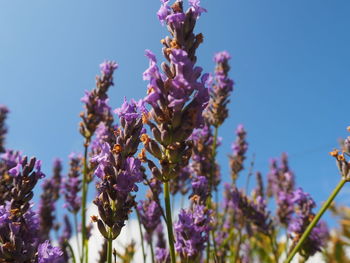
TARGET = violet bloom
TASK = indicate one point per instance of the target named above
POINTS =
(281, 186)
(19, 224)
(161, 251)
(253, 212)
(96, 109)
(177, 96)
(202, 164)
(150, 215)
(119, 172)
(72, 184)
(319, 235)
(192, 232)
(239, 149)
(49, 254)
(3, 130)
(8, 160)
(51, 188)
(217, 112)
(108, 67)
(182, 182)
(196, 8)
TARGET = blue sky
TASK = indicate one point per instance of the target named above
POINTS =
(290, 62)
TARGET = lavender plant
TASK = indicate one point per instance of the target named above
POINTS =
(168, 140)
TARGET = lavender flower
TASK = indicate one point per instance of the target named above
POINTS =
(202, 164)
(239, 148)
(65, 236)
(253, 212)
(181, 25)
(19, 224)
(217, 112)
(150, 215)
(3, 130)
(72, 184)
(49, 254)
(96, 102)
(119, 172)
(281, 186)
(192, 232)
(319, 235)
(177, 96)
(51, 188)
(182, 182)
(162, 253)
(8, 160)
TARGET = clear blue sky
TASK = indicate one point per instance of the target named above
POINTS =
(290, 61)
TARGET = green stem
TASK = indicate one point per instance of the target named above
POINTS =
(152, 252)
(71, 251)
(274, 248)
(208, 250)
(141, 235)
(109, 250)
(84, 197)
(315, 220)
(87, 251)
(238, 247)
(76, 233)
(209, 201)
(169, 221)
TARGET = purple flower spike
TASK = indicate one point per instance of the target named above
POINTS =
(108, 67)
(49, 254)
(192, 231)
(239, 148)
(72, 184)
(217, 112)
(222, 57)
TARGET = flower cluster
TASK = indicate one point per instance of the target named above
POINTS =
(119, 172)
(217, 110)
(239, 148)
(192, 232)
(51, 188)
(96, 101)
(177, 123)
(72, 184)
(319, 234)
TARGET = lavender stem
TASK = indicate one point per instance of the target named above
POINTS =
(316, 219)
(141, 235)
(84, 197)
(169, 221)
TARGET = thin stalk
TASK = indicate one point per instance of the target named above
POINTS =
(84, 197)
(208, 250)
(213, 154)
(215, 250)
(250, 173)
(152, 252)
(76, 233)
(87, 251)
(209, 201)
(274, 248)
(141, 235)
(71, 251)
(238, 247)
(109, 250)
(169, 221)
(315, 220)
